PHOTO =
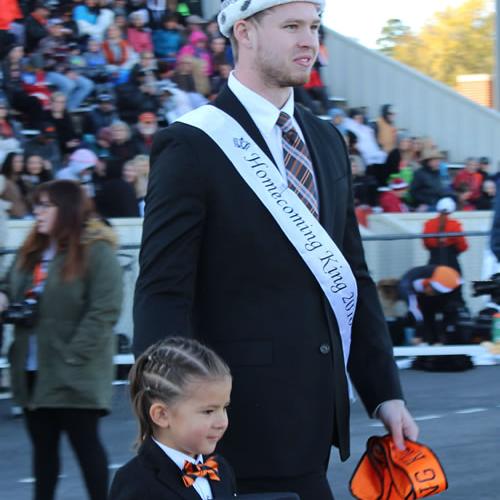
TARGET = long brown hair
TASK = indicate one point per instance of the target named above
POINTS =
(163, 372)
(74, 209)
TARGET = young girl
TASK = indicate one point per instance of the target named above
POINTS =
(180, 392)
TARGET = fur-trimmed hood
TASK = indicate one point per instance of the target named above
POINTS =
(97, 230)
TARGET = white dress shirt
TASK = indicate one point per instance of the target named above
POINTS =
(265, 115)
(201, 484)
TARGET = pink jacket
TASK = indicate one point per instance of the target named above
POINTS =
(191, 50)
(140, 40)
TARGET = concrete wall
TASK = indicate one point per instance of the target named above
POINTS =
(386, 259)
(425, 107)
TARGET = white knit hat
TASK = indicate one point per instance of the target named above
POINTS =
(236, 10)
(446, 205)
(82, 159)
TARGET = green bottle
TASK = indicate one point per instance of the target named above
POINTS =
(495, 328)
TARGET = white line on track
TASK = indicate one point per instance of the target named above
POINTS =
(471, 410)
(428, 417)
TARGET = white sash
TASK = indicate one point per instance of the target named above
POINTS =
(312, 242)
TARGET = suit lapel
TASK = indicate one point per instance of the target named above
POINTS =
(166, 470)
(321, 164)
(219, 488)
(230, 104)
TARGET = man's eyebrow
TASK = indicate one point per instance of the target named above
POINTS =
(316, 20)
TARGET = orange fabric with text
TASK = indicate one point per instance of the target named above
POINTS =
(387, 473)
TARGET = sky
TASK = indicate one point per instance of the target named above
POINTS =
(363, 20)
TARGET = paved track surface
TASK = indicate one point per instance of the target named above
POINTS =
(458, 414)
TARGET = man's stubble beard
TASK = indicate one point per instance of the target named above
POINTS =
(278, 75)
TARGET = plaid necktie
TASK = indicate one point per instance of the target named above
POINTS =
(209, 468)
(299, 169)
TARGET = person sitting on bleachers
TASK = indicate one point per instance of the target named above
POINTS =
(168, 39)
(470, 178)
(391, 198)
(45, 145)
(12, 170)
(138, 35)
(103, 114)
(120, 57)
(93, 20)
(484, 167)
(60, 118)
(197, 49)
(115, 197)
(218, 54)
(144, 131)
(219, 80)
(147, 65)
(36, 171)
(11, 137)
(400, 162)
(137, 95)
(60, 72)
(488, 192)
(36, 26)
(364, 187)
(79, 169)
(372, 155)
(122, 147)
(385, 129)
(174, 102)
(426, 187)
(13, 70)
(157, 10)
(189, 77)
(95, 61)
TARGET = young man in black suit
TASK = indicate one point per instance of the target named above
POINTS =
(219, 264)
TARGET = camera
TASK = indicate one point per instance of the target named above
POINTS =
(22, 313)
(490, 287)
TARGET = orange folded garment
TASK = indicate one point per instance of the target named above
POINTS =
(387, 473)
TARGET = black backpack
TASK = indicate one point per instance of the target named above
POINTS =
(449, 363)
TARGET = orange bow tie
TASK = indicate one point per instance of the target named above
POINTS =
(209, 468)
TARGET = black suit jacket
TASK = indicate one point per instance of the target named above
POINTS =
(214, 264)
(151, 475)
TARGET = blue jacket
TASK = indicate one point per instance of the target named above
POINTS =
(166, 42)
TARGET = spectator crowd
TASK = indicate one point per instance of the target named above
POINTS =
(85, 84)
(393, 172)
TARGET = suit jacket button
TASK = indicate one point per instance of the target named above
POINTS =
(324, 348)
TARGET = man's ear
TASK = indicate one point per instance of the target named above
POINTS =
(160, 414)
(243, 33)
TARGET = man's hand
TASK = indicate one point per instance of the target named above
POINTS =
(398, 422)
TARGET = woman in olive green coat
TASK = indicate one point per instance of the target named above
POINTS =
(62, 360)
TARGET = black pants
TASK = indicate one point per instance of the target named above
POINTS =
(45, 426)
(432, 330)
(310, 487)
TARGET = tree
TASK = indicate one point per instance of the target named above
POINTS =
(458, 40)
(392, 34)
